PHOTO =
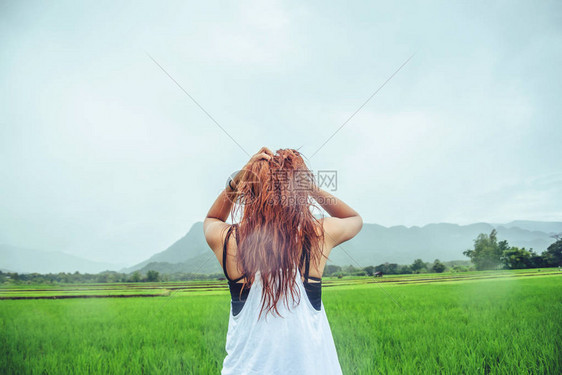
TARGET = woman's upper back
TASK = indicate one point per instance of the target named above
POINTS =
(298, 340)
(233, 269)
(240, 287)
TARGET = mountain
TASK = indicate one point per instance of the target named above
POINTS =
(375, 244)
(189, 246)
(550, 227)
(22, 260)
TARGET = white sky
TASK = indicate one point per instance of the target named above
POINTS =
(104, 157)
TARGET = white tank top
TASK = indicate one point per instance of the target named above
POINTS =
(299, 342)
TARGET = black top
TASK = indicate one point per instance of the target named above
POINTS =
(239, 291)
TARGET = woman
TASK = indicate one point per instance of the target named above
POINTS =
(273, 259)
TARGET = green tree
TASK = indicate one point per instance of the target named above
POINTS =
(487, 252)
(459, 268)
(331, 269)
(553, 254)
(350, 270)
(537, 260)
(136, 277)
(438, 266)
(405, 269)
(418, 266)
(152, 276)
(387, 268)
(516, 258)
(392, 268)
(102, 278)
(369, 270)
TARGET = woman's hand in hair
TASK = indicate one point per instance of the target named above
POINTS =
(263, 154)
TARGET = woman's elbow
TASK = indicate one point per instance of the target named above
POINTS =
(358, 220)
(359, 223)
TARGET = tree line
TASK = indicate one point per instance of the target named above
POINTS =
(487, 253)
(418, 266)
(102, 277)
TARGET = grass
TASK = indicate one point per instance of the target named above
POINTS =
(507, 323)
(487, 327)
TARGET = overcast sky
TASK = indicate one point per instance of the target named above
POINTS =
(104, 157)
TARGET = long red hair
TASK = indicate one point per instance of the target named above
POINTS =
(277, 228)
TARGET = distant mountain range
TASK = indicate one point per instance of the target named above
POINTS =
(22, 260)
(375, 244)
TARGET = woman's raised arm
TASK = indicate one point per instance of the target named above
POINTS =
(214, 225)
(344, 223)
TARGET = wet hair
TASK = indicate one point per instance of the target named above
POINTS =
(277, 228)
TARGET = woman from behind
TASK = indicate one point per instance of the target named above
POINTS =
(273, 258)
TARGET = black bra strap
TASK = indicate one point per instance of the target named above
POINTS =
(302, 259)
(224, 256)
(238, 279)
(305, 258)
(307, 266)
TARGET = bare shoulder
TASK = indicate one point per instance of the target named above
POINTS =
(215, 234)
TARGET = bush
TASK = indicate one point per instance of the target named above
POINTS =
(438, 266)
(457, 268)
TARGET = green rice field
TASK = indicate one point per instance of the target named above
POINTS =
(493, 322)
